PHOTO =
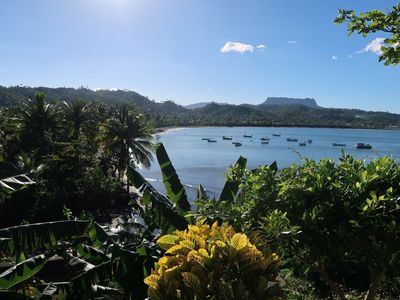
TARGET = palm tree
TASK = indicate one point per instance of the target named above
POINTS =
(36, 120)
(76, 114)
(127, 136)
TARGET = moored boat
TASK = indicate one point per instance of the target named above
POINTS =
(247, 135)
(205, 139)
(292, 140)
(302, 144)
(338, 145)
(265, 142)
(363, 146)
(212, 140)
(228, 138)
(276, 134)
(309, 141)
(237, 144)
(264, 138)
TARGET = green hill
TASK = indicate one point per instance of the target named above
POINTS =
(169, 113)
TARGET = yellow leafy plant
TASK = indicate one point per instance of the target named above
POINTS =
(213, 262)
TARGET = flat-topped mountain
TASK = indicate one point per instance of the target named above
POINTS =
(278, 101)
(273, 112)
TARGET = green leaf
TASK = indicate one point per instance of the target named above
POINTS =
(22, 271)
(31, 237)
(233, 181)
(175, 190)
(15, 183)
(167, 241)
(164, 215)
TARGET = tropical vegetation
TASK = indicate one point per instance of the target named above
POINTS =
(79, 221)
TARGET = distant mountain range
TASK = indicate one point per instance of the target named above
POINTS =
(273, 112)
(271, 101)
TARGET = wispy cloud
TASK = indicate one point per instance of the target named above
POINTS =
(236, 47)
(374, 47)
(261, 46)
(350, 56)
(292, 42)
(334, 57)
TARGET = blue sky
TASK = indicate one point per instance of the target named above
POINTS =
(198, 50)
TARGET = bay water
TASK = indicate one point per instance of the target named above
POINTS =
(198, 161)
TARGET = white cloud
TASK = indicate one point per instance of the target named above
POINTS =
(351, 55)
(374, 46)
(292, 42)
(236, 47)
(334, 57)
(261, 46)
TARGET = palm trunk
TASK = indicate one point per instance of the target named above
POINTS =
(376, 279)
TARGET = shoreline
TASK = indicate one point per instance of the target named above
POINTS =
(159, 130)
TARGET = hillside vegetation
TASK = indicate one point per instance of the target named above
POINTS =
(168, 113)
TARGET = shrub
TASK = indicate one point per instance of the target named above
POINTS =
(214, 262)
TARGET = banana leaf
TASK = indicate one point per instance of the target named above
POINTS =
(31, 237)
(175, 190)
(234, 178)
(163, 212)
(130, 271)
(201, 193)
(22, 271)
(92, 276)
(48, 292)
(12, 184)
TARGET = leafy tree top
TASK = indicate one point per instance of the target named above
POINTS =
(376, 21)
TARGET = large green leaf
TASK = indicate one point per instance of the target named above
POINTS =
(15, 183)
(129, 271)
(22, 271)
(31, 237)
(92, 276)
(234, 178)
(175, 190)
(163, 212)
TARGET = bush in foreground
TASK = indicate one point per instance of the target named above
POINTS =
(213, 262)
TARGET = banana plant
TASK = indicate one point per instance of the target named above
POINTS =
(14, 183)
(90, 261)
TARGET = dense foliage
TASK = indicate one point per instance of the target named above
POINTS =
(168, 113)
(333, 223)
(77, 151)
(213, 262)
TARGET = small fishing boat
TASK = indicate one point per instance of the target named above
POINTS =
(247, 135)
(205, 139)
(228, 138)
(264, 138)
(302, 144)
(276, 134)
(363, 146)
(212, 140)
(309, 141)
(237, 144)
(265, 142)
(338, 145)
(292, 140)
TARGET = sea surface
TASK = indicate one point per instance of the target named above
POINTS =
(200, 162)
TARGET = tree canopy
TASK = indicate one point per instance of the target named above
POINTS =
(376, 21)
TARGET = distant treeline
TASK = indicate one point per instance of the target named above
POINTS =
(168, 113)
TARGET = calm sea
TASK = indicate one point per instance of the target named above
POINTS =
(200, 162)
